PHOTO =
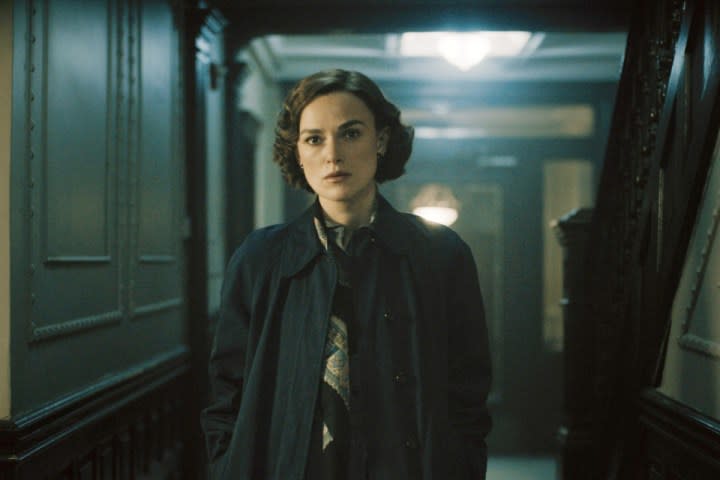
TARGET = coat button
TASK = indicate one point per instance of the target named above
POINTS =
(401, 378)
(387, 315)
(411, 443)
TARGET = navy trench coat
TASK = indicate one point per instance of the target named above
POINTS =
(430, 371)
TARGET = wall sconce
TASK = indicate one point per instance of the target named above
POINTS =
(436, 203)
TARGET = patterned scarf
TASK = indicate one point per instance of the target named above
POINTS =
(335, 391)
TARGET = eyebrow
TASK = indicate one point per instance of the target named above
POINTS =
(343, 126)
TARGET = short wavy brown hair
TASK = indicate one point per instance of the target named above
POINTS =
(386, 114)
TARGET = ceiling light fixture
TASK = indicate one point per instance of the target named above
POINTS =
(463, 49)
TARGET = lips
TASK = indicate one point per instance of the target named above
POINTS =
(336, 175)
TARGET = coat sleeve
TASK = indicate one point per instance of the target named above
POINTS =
(469, 366)
(227, 363)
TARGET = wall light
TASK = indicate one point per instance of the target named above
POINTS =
(436, 203)
(442, 215)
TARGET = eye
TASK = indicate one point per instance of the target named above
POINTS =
(313, 140)
(352, 133)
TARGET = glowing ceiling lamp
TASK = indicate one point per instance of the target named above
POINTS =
(436, 203)
(463, 49)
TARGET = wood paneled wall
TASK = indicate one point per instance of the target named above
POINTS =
(663, 131)
(99, 356)
(97, 190)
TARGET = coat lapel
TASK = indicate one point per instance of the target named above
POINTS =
(302, 246)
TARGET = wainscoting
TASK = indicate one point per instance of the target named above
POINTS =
(678, 442)
(132, 425)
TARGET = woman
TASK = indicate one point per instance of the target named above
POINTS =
(351, 342)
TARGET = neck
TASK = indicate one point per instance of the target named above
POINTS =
(350, 213)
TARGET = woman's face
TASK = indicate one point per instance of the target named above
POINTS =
(338, 147)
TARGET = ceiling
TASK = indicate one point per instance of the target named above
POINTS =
(547, 57)
(572, 40)
(571, 62)
(550, 88)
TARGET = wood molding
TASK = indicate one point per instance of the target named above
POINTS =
(103, 259)
(662, 134)
(679, 440)
(102, 418)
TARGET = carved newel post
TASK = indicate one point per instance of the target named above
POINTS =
(576, 457)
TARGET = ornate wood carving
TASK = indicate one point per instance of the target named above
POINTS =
(662, 134)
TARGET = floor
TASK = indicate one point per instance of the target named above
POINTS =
(521, 468)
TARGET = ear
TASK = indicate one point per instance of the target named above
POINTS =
(382, 140)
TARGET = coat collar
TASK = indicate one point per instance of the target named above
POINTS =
(393, 229)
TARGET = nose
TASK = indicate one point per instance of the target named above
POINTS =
(332, 152)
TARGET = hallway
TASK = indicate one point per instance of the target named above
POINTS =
(572, 145)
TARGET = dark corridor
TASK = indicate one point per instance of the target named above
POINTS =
(135, 156)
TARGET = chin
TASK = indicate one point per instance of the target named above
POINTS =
(344, 193)
(336, 197)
